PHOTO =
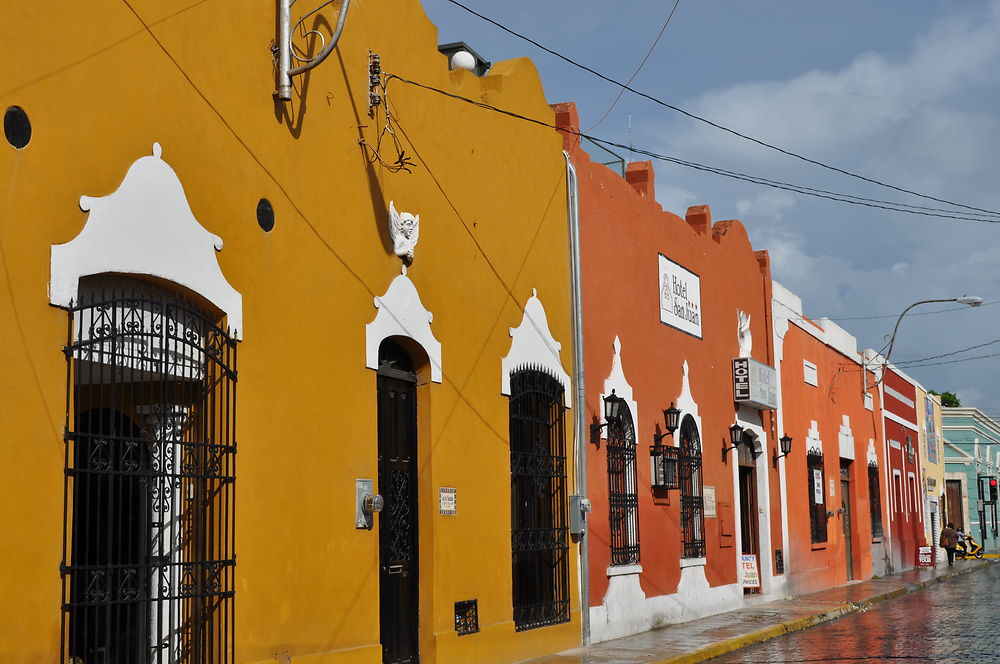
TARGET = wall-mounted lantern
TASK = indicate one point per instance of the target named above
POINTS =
(663, 459)
(612, 414)
(909, 450)
(786, 448)
(735, 438)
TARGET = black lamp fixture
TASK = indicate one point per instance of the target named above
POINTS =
(786, 448)
(663, 459)
(612, 414)
(909, 450)
(735, 438)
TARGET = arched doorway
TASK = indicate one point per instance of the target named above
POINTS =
(399, 571)
(148, 560)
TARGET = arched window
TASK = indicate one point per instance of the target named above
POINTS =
(539, 529)
(148, 560)
(623, 499)
(692, 502)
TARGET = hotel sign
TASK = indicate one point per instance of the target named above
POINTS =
(680, 297)
(754, 384)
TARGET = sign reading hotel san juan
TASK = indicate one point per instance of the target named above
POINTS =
(680, 297)
(754, 384)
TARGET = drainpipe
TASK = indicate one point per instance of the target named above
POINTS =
(283, 90)
(580, 420)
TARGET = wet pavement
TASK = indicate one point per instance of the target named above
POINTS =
(946, 623)
(935, 615)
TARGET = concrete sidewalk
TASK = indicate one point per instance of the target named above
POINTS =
(716, 635)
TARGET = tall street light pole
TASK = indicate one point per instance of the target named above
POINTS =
(970, 300)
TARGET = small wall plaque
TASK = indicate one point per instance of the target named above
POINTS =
(708, 495)
(447, 501)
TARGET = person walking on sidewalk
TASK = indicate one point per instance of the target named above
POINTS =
(949, 540)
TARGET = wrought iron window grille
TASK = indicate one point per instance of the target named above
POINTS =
(623, 497)
(148, 558)
(467, 617)
(875, 500)
(817, 510)
(692, 501)
(539, 520)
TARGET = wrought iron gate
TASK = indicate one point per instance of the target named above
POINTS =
(148, 559)
(692, 500)
(539, 530)
(623, 496)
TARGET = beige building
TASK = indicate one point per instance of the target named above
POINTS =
(931, 462)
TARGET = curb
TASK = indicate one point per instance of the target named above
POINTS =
(774, 631)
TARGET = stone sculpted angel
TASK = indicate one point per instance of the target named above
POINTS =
(743, 333)
(404, 229)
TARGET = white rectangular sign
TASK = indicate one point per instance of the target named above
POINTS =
(447, 501)
(708, 501)
(680, 297)
(754, 384)
(751, 575)
(817, 486)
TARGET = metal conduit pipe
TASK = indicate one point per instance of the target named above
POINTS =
(285, 69)
(580, 418)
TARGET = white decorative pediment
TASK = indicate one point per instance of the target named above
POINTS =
(402, 314)
(145, 227)
(532, 346)
(685, 401)
(617, 383)
(813, 441)
(846, 439)
(872, 456)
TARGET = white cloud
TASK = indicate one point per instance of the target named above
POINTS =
(769, 203)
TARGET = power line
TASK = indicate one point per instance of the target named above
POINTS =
(954, 352)
(637, 69)
(716, 125)
(776, 184)
(919, 313)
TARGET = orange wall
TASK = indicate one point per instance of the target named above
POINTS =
(623, 230)
(838, 393)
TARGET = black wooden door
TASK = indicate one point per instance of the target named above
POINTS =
(397, 481)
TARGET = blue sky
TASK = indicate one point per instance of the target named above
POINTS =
(901, 91)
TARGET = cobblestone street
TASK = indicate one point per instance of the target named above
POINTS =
(946, 623)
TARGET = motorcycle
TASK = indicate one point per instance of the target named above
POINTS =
(970, 548)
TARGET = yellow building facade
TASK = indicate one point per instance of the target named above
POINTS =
(932, 463)
(290, 235)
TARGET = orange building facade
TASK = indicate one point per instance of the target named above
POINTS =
(668, 303)
(834, 527)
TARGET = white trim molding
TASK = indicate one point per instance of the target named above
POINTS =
(145, 227)
(846, 439)
(532, 346)
(617, 383)
(402, 314)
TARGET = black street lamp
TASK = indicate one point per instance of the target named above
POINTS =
(612, 414)
(663, 459)
(786, 448)
(735, 438)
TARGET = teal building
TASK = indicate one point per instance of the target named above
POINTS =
(972, 469)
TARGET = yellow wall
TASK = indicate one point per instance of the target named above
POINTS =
(99, 88)
(933, 473)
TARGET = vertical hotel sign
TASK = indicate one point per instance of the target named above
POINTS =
(680, 297)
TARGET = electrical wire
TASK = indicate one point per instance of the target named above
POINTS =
(954, 352)
(918, 313)
(776, 184)
(716, 125)
(637, 69)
